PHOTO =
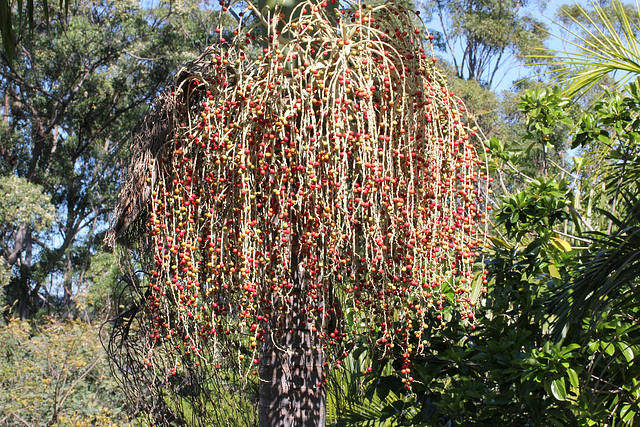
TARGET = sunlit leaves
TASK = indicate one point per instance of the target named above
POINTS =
(23, 203)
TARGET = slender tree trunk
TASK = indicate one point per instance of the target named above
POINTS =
(21, 236)
(67, 285)
(6, 112)
(292, 393)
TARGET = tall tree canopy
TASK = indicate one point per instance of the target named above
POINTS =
(83, 79)
(485, 37)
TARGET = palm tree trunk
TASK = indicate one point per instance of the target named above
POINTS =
(291, 391)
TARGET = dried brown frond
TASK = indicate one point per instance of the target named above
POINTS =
(148, 141)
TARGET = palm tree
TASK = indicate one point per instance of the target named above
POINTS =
(248, 180)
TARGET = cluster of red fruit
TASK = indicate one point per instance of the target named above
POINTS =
(338, 151)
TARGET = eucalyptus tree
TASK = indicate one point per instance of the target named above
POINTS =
(83, 77)
(483, 38)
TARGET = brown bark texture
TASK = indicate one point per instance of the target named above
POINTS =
(292, 392)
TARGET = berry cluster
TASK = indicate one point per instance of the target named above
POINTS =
(338, 148)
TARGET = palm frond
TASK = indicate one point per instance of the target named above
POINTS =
(607, 278)
(351, 399)
(601, 45)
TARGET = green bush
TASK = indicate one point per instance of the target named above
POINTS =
(56, 374)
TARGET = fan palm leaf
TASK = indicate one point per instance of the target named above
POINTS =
(600, 45)
(352, 399)
(608, 277)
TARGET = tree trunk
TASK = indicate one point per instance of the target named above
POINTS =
(291, 391)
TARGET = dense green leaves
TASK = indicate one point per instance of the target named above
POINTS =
(23, 204)
(539, 208)
(55, 374)
(83, 81)
(544, 110)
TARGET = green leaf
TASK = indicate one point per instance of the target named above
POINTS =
(609, 349)
(569, 348)
(626, 351)
(604, 139)
(573, 378)
(559, 389)
(553, 271)
(627, 413)
(499, 243)
(561, 244)
(476, 288)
